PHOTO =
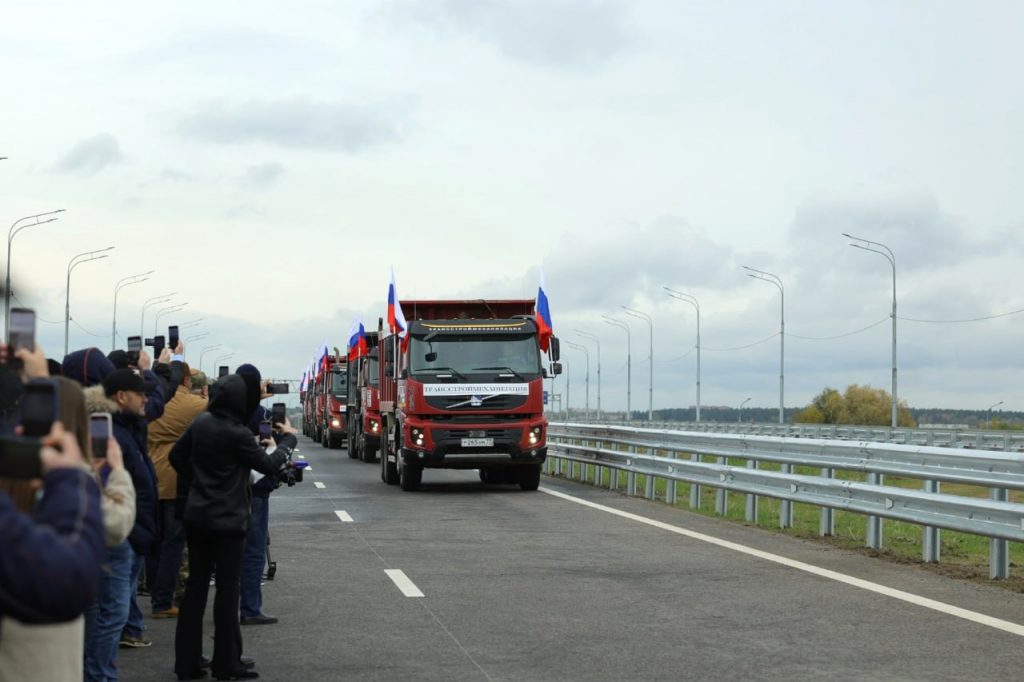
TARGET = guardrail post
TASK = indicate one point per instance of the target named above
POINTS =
(631, 477)
(751, 506)
(874, 530)
(721, 496)
(827, 521)
(785, 506)
(649, 481)
(930, 541)
(998, 550)
(670, 485)
(695, 487)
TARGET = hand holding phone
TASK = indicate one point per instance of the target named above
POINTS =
(172, 336)
(60, 450)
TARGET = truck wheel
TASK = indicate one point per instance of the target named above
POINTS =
(388, 470)
(366, 453)
(529, 477)
(410, 476)
(350, 445)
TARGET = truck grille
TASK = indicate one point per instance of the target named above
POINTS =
(504, 434)
(498, 402)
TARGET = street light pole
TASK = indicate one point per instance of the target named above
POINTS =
(586, 354)
(207, 349)
(692, 300)
(164, 311)
(774, 279)
(592, 337)
(156, 300)
(629, 363)
(121, 284)
(72, 264)
(17, 227)
(739, 419)
(650, 358)
(990, 412)
(885, 252)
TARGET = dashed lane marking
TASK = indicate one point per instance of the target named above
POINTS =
(941, 607)
(319, 484)
(403, 583)
(343, 516)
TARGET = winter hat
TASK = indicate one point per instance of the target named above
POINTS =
(118, 358)
(253, 390)
(88, 367)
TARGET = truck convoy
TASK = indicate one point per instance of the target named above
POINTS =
(462, 388)
(324, 402)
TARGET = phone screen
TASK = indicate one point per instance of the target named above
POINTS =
(38, 408)
(278, 388)
(99, 433)
(266, 428)
(23, 329)
(134, 348)
(277, 413)
(20, 458)
(172, 337)
(222, 371)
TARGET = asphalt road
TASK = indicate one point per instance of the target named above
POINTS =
(534, 586)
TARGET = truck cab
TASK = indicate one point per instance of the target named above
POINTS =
(364, 421)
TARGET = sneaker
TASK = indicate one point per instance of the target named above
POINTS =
(261, 619)
(130, 642)
(169, 613)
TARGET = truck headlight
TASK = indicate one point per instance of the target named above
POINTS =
(335, 423)
(534, 437)
(417, 436)
(374, 426)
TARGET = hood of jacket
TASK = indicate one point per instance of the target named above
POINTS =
(88, 367)
(229, 398)
(97, 401)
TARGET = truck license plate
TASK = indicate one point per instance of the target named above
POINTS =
(477, 442)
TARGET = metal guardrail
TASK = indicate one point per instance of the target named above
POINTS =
(942, 437)
(676, 456)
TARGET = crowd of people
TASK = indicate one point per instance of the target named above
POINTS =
(184, 472)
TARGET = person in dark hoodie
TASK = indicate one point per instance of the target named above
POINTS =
(214, 459)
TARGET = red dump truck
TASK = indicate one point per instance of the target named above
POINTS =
(328, 402)
(364, 421)
(464, 390)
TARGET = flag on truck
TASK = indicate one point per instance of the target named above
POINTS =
(324, 355)
(356, 341)
(543, 316)
(396, 318)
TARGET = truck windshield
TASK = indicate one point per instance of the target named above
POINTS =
(373, 371)
(475, 354)
(338, 385)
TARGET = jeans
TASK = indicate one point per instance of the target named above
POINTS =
(134, 626)
(205, 549)
(171, 549)
(106, 616)
(255, 557)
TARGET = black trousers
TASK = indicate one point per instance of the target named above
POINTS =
(207, 549)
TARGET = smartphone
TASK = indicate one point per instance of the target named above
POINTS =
(134, 348)
(19, 458)
(266, 429)
(159, 342)
(277, 413)
(99, 433)
(39, 407)
(22, 330)
(277, 388)
(222, 371)
(172, 337)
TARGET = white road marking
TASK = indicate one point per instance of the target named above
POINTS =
(319, 484)
(941, 607)
(309, 468)
(403, 583)
(343, 515)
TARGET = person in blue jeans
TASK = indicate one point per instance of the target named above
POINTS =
(105, 617)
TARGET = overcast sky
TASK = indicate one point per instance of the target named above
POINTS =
(271, 163)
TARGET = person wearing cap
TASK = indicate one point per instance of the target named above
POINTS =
(125, 393)
(163, 433)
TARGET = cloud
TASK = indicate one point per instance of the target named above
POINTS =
(172, 175)
(296, 123)
(263, 176)
(91, 155)
(576, 34)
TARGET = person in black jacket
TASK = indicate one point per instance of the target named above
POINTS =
(214, 459)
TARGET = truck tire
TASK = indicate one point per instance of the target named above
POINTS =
(350, 444)
(366, 453)
(529, 477)
(388, 470)
(410, 476)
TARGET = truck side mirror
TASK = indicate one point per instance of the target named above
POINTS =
(554, 349)
(556, 368)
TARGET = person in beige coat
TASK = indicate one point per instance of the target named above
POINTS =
(163, 433)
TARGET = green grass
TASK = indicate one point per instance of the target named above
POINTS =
(962, 554)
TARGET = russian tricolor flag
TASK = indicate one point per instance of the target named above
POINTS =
(396, 318)
(356, 341)
(543, 316)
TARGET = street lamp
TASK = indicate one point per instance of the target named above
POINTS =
(629, 364)
(885, 252)
(650, 386)
(592, 337)
(586, 353)
(191, 323)
(692, 300)
(17, 227)
(739, 419)
(774, 279)
(207, 349)
(165, 311)
(121, 284)
(85, 257)
(990, 412)
(156, 300)
(198, 337)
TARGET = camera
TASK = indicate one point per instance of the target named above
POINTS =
(290, 472)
